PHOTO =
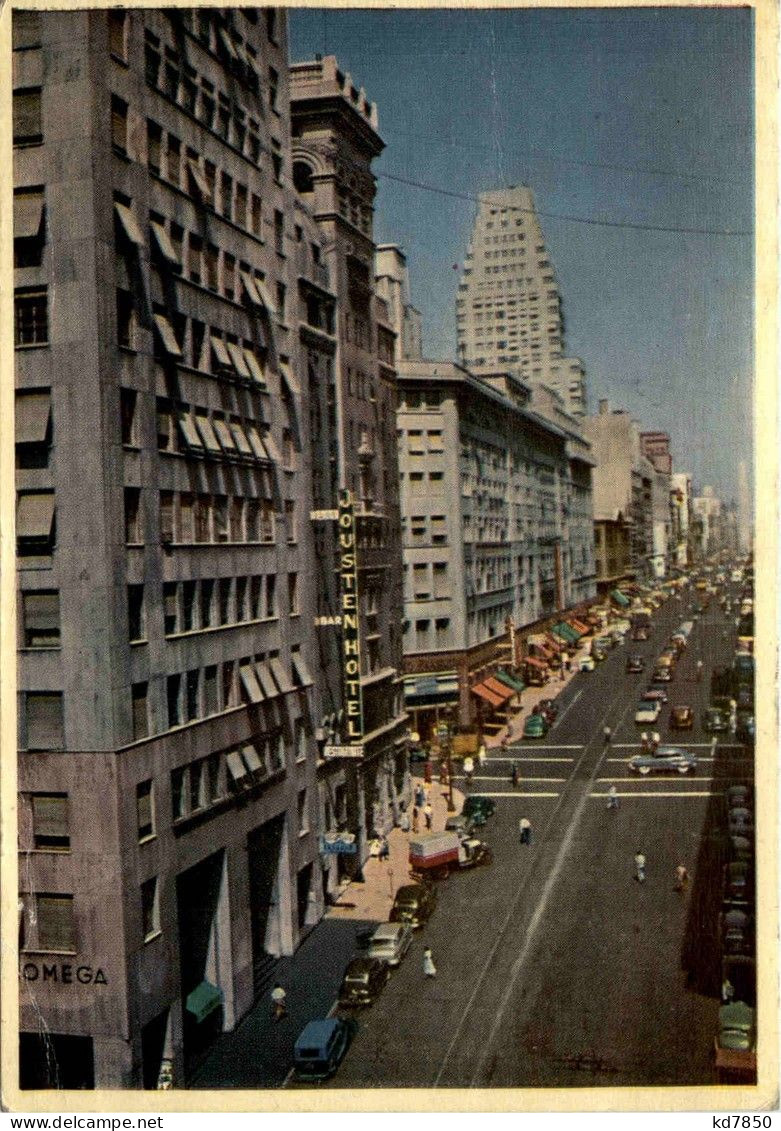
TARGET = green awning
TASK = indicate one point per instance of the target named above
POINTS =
(620, 599)
(203, 1001)
(509, 680)
(566, 633)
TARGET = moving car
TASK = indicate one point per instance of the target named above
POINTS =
(587, 663)
(662, 675)
(665, 759)
(390, 942)
(550, 709)
(478, 809)
(363, 980)
(458, 823)
(635, 663)
(648, 711)
(413, 904)
(320, 1047)
(639, 633)
(715, 720)
(681, 718)
(656, 694)
(535, 727)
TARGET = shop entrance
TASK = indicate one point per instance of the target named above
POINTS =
(54, 1060)
(201, 955)
(263, 852)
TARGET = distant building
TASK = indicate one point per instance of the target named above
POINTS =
(681, 509)
(392, 282)
(708, 509)
(497, 529)
(656, 448)
(745, 510)
(508, 309)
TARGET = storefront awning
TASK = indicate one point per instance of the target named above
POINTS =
(535, 663)
(565, 633)
(498, 688)
(619, 598)
(509, 680)
(580, 626)
(203, 1001)
(486, 694)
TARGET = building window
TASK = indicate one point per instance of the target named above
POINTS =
(119, 125)
(210, 696)
(271, 599)
(125, 320)
(29, 227)
(27, 128)
(256, 216)
(51, 827)
(31, 317)
(150, 909)
(135, 613)
(173, 697)
(56, 925)
(279, 232)
(303, 813)
(41, 619)
(281, 295)
(44, 728)
(127, 410)
(145, 810)
(117, 34)
(138, 694)
(192, 694)
(290, 519)
(207, 598)
(26, 30)
(133, 532)
(226, 194)
(224, 599)
(154, 145)
(292, 590)
(174, 164)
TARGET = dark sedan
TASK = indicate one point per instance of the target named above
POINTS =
(635, 664)
(715, 720)
(363, 980)
(681, 718)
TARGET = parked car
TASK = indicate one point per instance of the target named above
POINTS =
(736, 932)
(535, 727)
(320, 1047)
(745, 729)
(587, 663)
(665, 759)
(458, 823)
(662, 675)
(601, 644)
(715, 720)
(740, 821)
(390, 942)
(648, 711)
(737, 1028)
(635, 664)
(413, 904)
(363, 980)
(478, 809)
(550, 709)
(738, 882)
(681, 718)
(740, 848)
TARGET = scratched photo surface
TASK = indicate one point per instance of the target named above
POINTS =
(384, 551)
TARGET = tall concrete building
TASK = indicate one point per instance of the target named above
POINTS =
(362, 776)
(498, 531)
(655, 446)
(392, 281)
(509, 310)
(623, 497)
(681, 496)
(168, 753)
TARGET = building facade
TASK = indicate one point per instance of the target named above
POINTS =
(487, 483)
(655, 446)
(335, 140)
(168, 758)
(509, 310)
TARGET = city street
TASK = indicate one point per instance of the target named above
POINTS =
(555, 968)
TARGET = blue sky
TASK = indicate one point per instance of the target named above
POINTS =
(633, 116)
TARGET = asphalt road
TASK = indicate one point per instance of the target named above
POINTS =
(555, 968)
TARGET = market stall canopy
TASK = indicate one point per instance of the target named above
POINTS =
(509, 680)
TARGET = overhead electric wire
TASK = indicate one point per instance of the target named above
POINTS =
(561, 216)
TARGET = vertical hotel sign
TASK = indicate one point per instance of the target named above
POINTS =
(351, 655)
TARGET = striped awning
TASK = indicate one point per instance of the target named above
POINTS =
(487, 694)
(498, 688)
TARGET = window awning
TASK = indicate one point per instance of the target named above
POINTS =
(164, 245)
(238, 359)
(544, 650)
(265, 297)
(203, 1001)
(486, 694)
(271, 447)
(255, 371)
(250, 683)
(619, 598)
(567, 634)
(257, 444)
(554, 642)
(282, 677)
(287, 376)
(252, 759)
(167, 335)
(28, 215)
(199, 180)
(220, 352)
(228, 44)
(225, 436)
(509, 680)
(535, 663)
(250, 288)
(207, 434)
(187, 427)
(266, 679)
(498, 688)
(580, 627)
(129, 224)
(301, 670)
(236, 767)
(240, 436)
(32, 417)
(35, 515)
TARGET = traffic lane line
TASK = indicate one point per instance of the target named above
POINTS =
(546, 746)
(645, 778)
(567, 708)
(529, 759)
(658, 793)
(518, 793)
(488, 777)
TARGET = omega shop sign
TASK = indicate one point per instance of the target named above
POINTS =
(351, 658)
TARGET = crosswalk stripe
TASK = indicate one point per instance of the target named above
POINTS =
(646, 796)
(625, 761)
(525, 777)
(692, 745)
(517, 793)
(648, 778)
(548, 746)
(530, 758)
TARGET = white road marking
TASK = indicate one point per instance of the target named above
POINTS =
(625, 761)
(572, 704)
(487, 777)
(693, 745)
(636, 778)
(658, 793)
(545, 746)
(527, 758)
(518, 793)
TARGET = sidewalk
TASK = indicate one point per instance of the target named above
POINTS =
(531, 696)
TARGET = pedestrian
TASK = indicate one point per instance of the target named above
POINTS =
(442, 771)
(640, 866)
(612, 798)
(681, 877)
(525, 829)
(427, 793)
(404, 821)
(655, 740)
(415, 815)
(516, 775)
(481, 753)
(429, 969)
(428, 813)
(278, 1003)
(469, 768)
(384, 848)
(607, 734)
(699, 670)
(644, 742)
(420, 797)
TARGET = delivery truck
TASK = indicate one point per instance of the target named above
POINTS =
(434, 856)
